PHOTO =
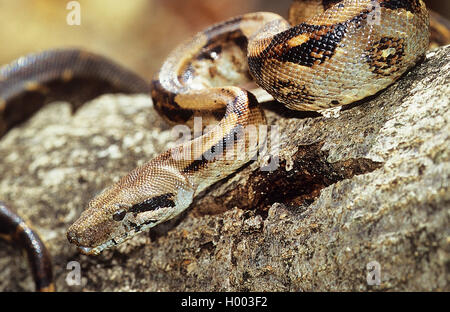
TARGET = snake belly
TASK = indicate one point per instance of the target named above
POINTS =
(347, 51)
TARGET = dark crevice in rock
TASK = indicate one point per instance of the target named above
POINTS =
(310, 173)
(282, 111)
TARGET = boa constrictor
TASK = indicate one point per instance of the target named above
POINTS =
(337, 52)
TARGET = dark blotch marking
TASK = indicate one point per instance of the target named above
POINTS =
(219, 41)
(208, 53)
(215, 150)
(165, 200)
(256, 63)
(165, 105)
(318, 49)
(386, 66)
(238, 108)
(137, 228)
(291, 90)
(196, 165)
(207, 157)
(221, 35)
(119, 215)
(219, 113)
(252, 101)
(329, 3)
(217, 29)
(409, 5)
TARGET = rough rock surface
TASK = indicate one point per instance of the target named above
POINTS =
(366, 183)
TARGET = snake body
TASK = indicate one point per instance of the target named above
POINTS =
(337, 52)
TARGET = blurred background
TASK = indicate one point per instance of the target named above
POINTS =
(136, 33)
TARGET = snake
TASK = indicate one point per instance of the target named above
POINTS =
(328, 53)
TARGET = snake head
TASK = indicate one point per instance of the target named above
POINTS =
(136, 203)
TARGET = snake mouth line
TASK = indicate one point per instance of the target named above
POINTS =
(88, 250)
(93, 251)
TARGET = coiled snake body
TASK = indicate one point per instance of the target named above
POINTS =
(338, 52)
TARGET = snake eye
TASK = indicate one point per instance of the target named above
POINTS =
(119, 215)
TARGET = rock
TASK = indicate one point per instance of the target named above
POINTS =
(358, 188)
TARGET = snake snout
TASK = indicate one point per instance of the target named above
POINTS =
(79, 237)
(72, 237)
(91, 230)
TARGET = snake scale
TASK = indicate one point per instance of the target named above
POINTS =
(330, 53)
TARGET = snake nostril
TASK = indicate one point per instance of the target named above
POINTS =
(72, 237)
